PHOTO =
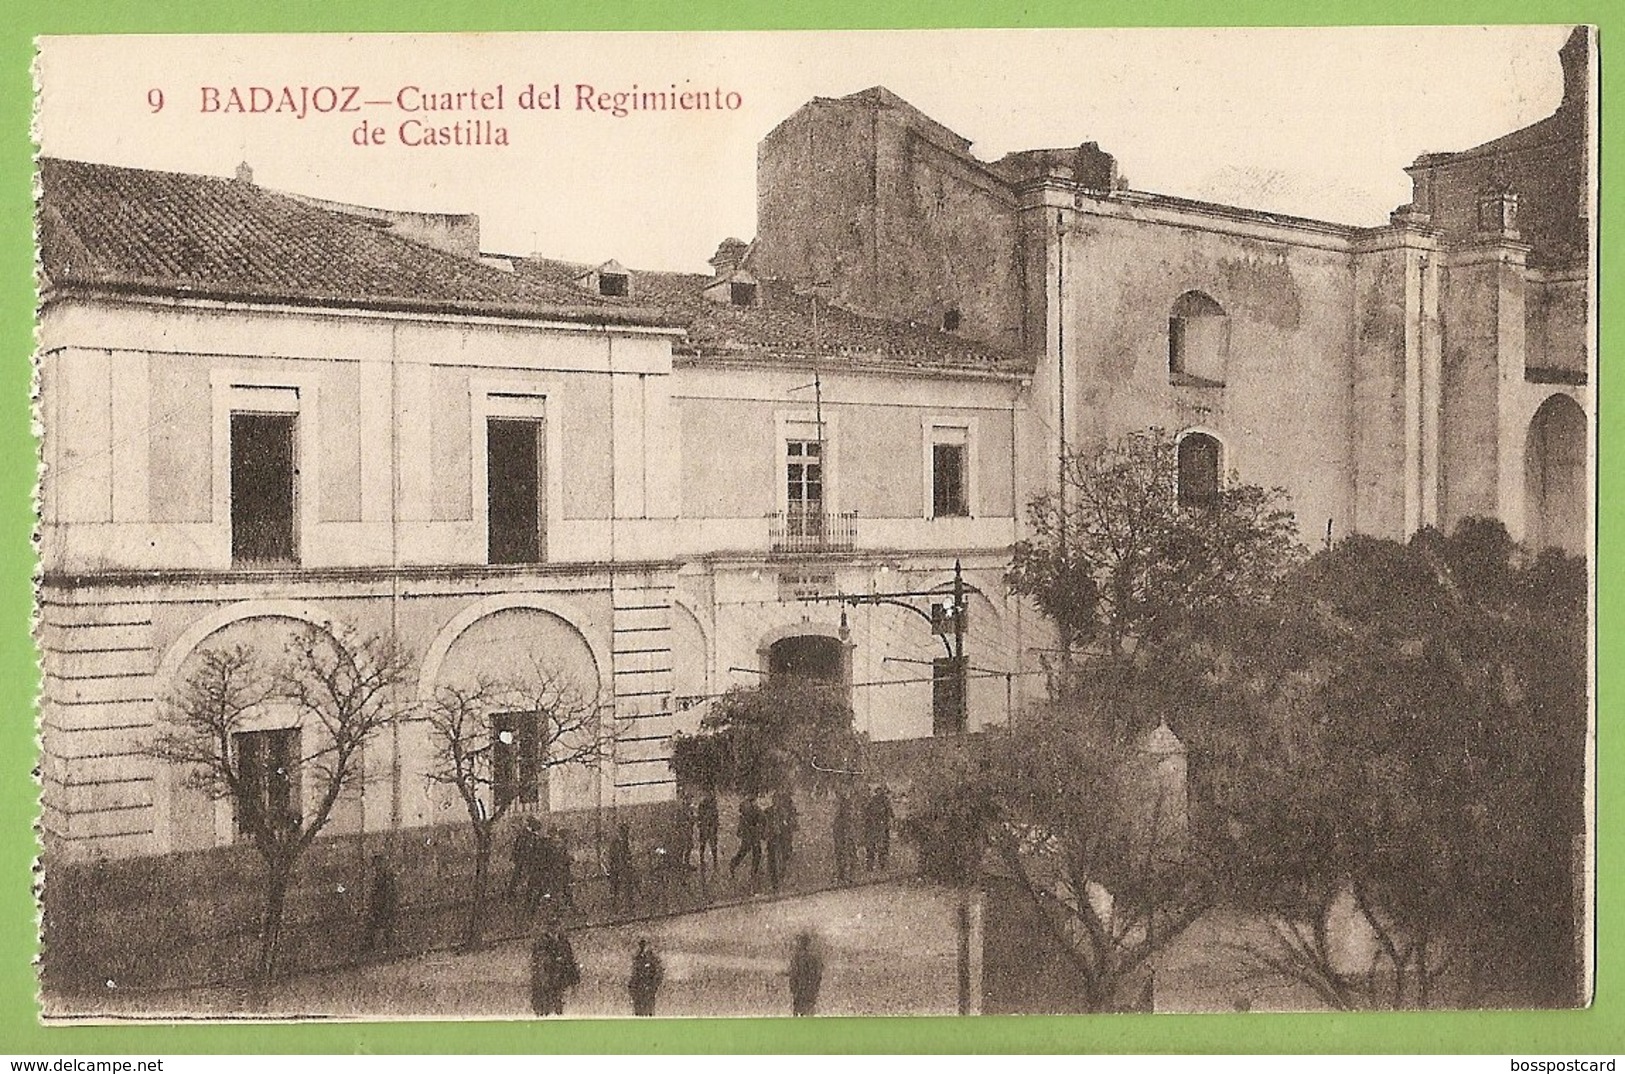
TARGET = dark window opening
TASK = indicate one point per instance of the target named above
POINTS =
(614, 284)
(517, 772)
(514, 489)
(810, 657)
(950, 320)
(1198, 470)
(948, 497)
(742, 294)
(947, 696)
(268, 764)
(263, 474)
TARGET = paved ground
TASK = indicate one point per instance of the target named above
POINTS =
(888, 948)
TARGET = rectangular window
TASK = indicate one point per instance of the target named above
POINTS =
(613, 284)
(268, 763)
(804, 487)
(516, 770)
(742, 294)
(515, 481)
(263, 477)
(947, 696)
(948, 497)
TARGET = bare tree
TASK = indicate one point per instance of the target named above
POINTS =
(569, 731)
(1053, 813)
(343, 689)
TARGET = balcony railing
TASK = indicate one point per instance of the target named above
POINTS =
(812, 530)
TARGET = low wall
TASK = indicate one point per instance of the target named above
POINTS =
(185, 920)
(193, 918)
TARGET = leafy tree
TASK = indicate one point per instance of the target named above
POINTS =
(343, 688)
(570, 731)
(1436, 791)
(760, 738)
(1115, 559)
(1063, 814)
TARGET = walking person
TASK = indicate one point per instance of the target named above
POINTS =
(553, 968)
(708, 822)
(844, 837)
(773, 840)
(548, 869)
(647, 974)
(523, 852)
(784, 804)
(877, 819)
(623, 875)
(564, 867)
(683, 835)
(383, 900)
(806, 975)
(750, 839)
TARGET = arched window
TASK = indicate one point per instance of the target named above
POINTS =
(1554, 468)
(1198, 470)
(1198, 341)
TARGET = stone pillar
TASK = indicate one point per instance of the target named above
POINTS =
(1396, 377)
(1483, 368)
(1158, 793)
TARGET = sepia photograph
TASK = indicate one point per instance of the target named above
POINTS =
(965, 522)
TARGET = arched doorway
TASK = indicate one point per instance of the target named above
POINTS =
(814, 657)
(1555, 476)
(1198, 470)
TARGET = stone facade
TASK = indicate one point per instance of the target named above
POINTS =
(901, 297)
(1389, 377)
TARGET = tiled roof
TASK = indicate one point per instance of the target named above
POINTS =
(786, 324)
(129, 229)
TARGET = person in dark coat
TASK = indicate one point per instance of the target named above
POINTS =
(750, 838)
(549, 869)
(623, 875)
(683, 835)
(877, 818)
(844, 837)
(709, 824)
(773, 841)
(383, 900)
(787, 820)
(562, 868)
(647, 974)
(524, 853)
(806, 975)
(553, 968)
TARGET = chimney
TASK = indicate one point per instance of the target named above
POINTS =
(730, 254)
(245, 174)
(1498, 210)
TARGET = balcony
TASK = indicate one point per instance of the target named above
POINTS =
(803, 530)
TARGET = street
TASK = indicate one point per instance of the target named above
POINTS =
(888, 949)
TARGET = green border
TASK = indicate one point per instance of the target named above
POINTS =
(1600, 1029)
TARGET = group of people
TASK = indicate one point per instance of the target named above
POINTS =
(555, 971)
(541, 865)
(767, 828)
(862, 816)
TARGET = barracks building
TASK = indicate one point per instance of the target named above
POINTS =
(261, 409)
